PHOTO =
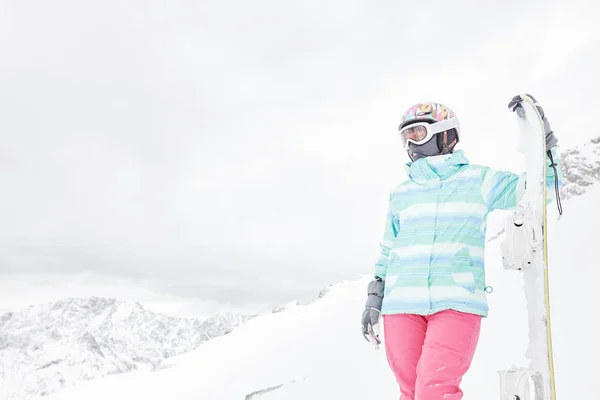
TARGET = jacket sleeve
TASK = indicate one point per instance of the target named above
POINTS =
(502, 190)
(390, 232)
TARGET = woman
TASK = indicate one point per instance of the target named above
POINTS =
(429, 280)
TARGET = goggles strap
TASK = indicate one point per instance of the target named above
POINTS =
(445, 125)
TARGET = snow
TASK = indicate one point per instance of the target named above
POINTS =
(581, 164)
(47, 347)
(316, 350)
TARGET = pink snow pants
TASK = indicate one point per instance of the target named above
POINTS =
(430, 354)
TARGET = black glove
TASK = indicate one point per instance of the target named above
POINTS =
(372, 312)
(515, 105)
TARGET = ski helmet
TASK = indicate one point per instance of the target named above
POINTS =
(424, 121)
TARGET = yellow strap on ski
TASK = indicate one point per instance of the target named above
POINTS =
(546, 280)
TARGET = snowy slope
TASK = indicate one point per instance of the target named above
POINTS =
(316, 351)
(50, 346)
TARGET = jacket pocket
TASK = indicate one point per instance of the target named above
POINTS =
(462, 270)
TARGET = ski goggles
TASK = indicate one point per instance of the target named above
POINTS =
(421, 132)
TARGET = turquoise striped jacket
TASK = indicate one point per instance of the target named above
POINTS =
(433, 247)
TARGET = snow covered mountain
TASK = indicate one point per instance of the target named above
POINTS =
(316, 350)
(47, 347)
(581, 167)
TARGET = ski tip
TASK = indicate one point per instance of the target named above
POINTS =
(529, 98)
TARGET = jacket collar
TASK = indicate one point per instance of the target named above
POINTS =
(436, 168)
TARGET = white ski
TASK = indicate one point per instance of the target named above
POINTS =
(525, 249)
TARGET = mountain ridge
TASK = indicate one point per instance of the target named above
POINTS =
(48, 346)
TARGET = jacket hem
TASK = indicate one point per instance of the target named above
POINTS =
(425, 312)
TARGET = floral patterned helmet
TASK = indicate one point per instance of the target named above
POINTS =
(421, 122)
(429, 112)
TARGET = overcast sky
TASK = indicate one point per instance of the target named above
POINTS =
(207, 155)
